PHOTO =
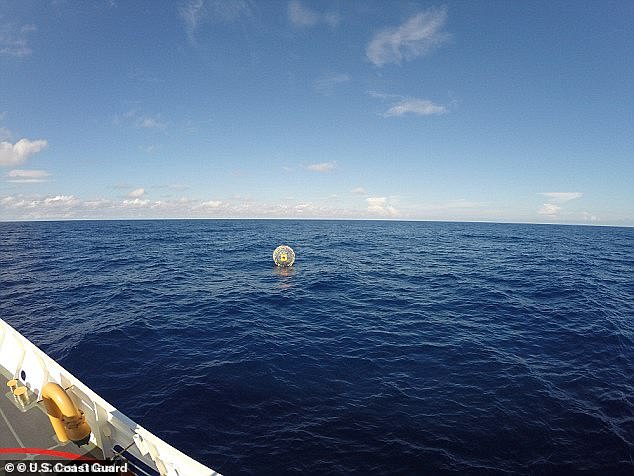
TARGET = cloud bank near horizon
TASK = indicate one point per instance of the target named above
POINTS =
(137, 205)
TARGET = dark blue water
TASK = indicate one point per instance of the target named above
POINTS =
(398, 348)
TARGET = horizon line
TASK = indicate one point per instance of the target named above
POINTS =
(411, 220)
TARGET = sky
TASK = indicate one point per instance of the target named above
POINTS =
(409, 110)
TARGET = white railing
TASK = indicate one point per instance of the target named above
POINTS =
(23, 360)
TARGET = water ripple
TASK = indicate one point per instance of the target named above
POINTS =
(394, 348)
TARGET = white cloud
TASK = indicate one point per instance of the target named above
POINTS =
(549, 209)
(151, 122)
(137, 118)
(196, 13)
(13, 41)
(418, 36)
(380, 206)
(135, 203)
(137, 193)
(27, 176)
(558, 199)
(359, 191)
(99, 203)
(562, 197)
(211, 204)
(59, 200)
(589, 217)
(418, 107)
(326, 84)
(15, 154)
(191, 13)
(409, 105)
(322, 167)
(302, 16)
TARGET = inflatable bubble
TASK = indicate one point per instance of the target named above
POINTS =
(284, 256)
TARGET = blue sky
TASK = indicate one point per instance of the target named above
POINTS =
(484, 111)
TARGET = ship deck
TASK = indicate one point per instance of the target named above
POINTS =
(30, 427)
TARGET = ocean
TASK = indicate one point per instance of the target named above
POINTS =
(390, 347)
